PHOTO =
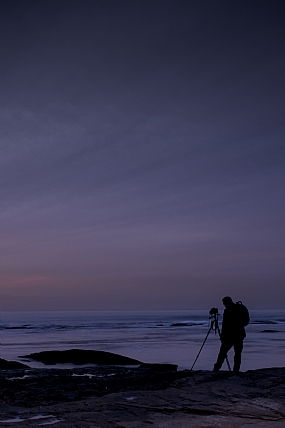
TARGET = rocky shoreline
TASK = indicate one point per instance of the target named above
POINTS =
(141, 396)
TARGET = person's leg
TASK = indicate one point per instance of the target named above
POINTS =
(238, 347)
(224, 349)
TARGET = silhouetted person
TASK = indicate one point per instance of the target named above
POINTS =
(235, 318)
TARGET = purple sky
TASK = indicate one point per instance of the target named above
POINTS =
(143, 154)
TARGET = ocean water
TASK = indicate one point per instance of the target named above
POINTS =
(152, 337)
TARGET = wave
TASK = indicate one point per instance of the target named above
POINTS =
(264, 322)
(186, 324)
(100, 326)
(35, 327)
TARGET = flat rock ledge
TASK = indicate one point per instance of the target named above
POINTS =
(140, 397)
(80, 357)
(11, 365)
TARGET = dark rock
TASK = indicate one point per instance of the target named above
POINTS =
(81, 356)
(10, 365)
(50, 385)
(159, 367)
(269, 331)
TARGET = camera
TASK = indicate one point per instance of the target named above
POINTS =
(213, 311)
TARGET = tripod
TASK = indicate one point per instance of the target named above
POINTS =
(214, 325)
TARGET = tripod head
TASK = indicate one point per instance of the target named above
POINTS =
(214, 311)
(214, 314)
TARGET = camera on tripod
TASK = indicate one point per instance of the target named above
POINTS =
(213, 311)
(214, 326)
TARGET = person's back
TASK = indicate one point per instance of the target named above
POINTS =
(232, 326)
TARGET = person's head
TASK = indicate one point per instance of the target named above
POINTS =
(227, 301)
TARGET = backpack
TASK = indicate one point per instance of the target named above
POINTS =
(242, 313)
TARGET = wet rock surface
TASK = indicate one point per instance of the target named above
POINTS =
(35, 387)
(142, 397)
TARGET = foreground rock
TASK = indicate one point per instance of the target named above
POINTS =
(159, 367)
(141, 397)
(36, 387)
(80, 356)
(11, 365)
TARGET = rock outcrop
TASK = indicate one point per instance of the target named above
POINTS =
(11, 365)
(80, 356)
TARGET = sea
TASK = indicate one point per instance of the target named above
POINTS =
(174, 337)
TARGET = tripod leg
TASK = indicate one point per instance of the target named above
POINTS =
(201, 347)
(229, 367)
(227, 360)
